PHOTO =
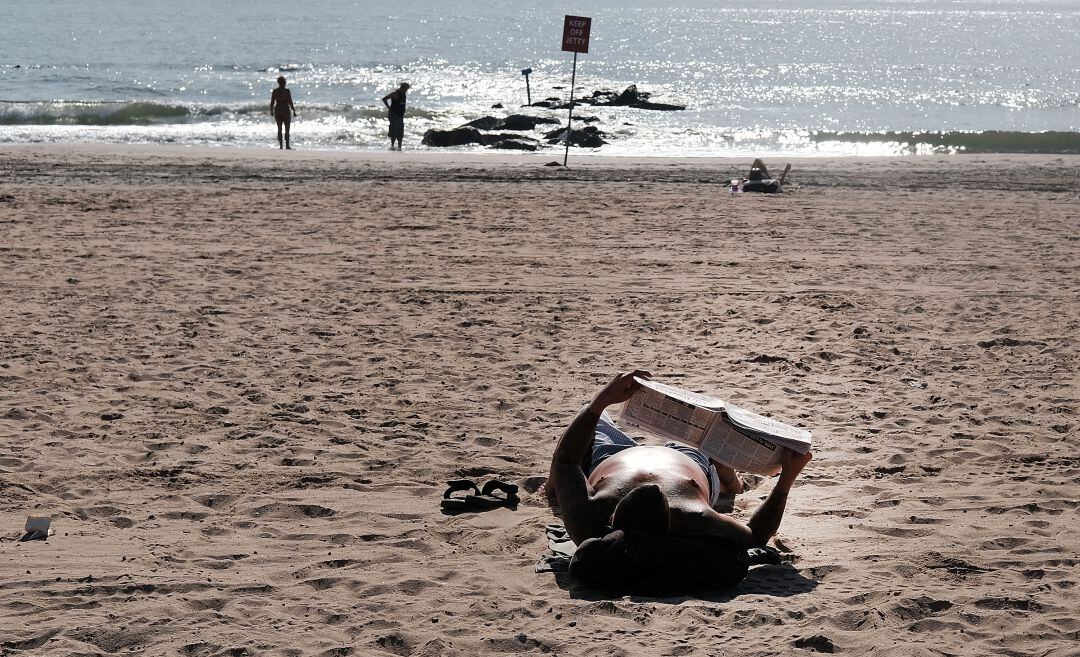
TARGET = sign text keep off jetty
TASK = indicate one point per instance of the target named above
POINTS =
(575, 35)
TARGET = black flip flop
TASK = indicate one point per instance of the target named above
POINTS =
(487, 499)
(458, 503)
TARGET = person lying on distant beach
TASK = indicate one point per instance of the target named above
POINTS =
(607, 487)
(759, 180)
(280, 104)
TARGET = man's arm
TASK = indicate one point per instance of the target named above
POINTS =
(566, 476)
(387, 97)
(567, 479)
(273, 97)
(766, 520)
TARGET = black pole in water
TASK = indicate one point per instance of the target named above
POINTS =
(570, 116)
(528, 92)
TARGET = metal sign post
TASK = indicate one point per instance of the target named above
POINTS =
(575, 39)
(528, 92)
(570, 115)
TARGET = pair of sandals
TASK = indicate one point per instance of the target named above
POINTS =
(493, 495)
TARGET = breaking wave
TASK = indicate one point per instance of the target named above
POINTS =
(989, 141)
(90, 113)
(143, 113)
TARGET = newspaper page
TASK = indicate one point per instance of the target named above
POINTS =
(654, 410)
(743, 452)
(692, 398)
(784, 434)
(728, 434)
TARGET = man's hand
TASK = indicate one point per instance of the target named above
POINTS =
(791, 464)
(621, 388)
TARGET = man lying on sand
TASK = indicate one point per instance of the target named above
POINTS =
(614, 494)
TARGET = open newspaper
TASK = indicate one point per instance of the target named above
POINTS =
(730, 435)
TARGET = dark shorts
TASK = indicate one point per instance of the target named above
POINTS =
(609, 441)
(284, 117)
(397, 127)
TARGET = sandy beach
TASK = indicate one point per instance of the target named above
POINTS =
(239, 380)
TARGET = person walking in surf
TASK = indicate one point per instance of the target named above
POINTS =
(395, 103)
(280, 105)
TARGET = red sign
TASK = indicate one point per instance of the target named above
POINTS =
(575, 34)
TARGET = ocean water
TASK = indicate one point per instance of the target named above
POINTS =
(793, 77)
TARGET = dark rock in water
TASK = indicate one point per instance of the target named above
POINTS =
(524, 122)
(588, 137)
(662, 107)
(630, 97)
(484, 123)
(515, 145)
(550, 103)
(492, 139)
(456, 137)
(558, 104)
(587, 140)
(510, 142)
(601, 98)
(512, 122)
(497, 106)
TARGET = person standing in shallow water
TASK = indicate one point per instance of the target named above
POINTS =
(395, 103)
(280, 106)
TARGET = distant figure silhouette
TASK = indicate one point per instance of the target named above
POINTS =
(280, 104)
(395, 102)
(758, 170)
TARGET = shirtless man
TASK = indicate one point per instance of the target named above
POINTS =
(603, 487)
(280, 104)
